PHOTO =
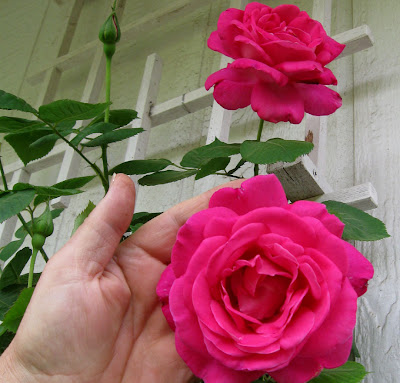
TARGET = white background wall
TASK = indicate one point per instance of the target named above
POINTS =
(364, 135)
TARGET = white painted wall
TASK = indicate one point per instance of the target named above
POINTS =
(363, 135)
(376, 158)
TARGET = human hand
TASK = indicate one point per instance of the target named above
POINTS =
(95, 315)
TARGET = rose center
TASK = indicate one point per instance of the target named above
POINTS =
(257, 295)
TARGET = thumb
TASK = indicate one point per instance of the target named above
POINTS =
(94, 243)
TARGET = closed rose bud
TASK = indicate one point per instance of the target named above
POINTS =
(42, 227)
(110, 34)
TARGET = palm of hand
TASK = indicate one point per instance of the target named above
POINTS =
(109, 328)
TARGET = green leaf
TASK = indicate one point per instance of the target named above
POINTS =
(120, 117)
(350, 372)
(64, 129)
(199, 156)
(13, 202)
(100, 127)
(73, 183)
(359, 225)
(11, 273)
(114, 136)
(50, 139)
(83, 215)
(143, 217)
(10, 102)
(10, 249)
(165, 177)
(139, 219)
(5, 340)
(22, 233)
(213, 166)
(70, 110)
(274, 150)
(14, 316)
(69, 185)
(20, 125)
(8, 296)
(48, 191)
(141, 166)
(133, 228)
(20, 142)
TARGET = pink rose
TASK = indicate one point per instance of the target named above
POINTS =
(279, 69)
(257, 285)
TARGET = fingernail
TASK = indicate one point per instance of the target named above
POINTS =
(113, 178)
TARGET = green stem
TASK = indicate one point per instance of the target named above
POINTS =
(91, 164)
(114, 5)
(108, 89)
(229, 175)
(180, 167)
(237, 167)
(3, 176)
(31, 267)
(107, 116)
(259, 133)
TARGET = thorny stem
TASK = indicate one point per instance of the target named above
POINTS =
(260, 129)
(91, 164)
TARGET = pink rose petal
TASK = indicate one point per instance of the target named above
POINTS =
(300, 370)
(262, 191)
(274, 103)
(318, 211)
(318, 99)
(360, 269)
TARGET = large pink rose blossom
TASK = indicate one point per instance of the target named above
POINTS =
(257, 285)
(279, 69)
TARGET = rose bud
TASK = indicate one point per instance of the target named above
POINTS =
(110, 34)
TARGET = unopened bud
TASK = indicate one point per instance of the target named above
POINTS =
(110, 32)
(43, 224)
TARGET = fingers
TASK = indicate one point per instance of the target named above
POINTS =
(94, 243)
(158, 236)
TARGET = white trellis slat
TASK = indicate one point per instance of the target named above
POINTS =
(137, 145)
(316, 126)
(362, 196)
(356, 40)
(181, 106)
